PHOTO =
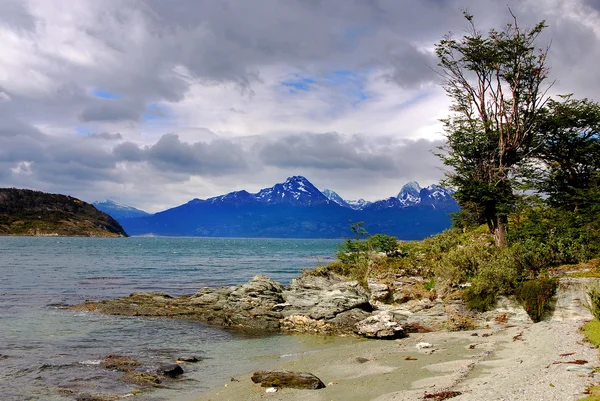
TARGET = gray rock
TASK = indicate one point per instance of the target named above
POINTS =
(378, 292)
(381, 325)
(324, 297)
(286, 378)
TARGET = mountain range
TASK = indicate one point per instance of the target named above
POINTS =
(295, 209)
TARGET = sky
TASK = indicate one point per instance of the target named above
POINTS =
(152, 103)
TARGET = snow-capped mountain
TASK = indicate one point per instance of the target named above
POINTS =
(409, 195)
(389, 203)
(233, 198)
(333, 196)
(296, 190)
(117, 211)
(297, 209)
(436, 196)
(358, 204)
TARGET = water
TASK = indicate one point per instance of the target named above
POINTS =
(49, 353)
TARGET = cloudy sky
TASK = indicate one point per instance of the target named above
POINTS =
(152, 103)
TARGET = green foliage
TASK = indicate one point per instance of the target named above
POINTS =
(535, 296)
(495, 83)
(361, 247)
(26, 212)
(498, 275)
(568, 147)
(591, 332)
(546, 237)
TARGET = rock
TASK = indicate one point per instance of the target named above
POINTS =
(141, 379)
(378, 292)
(580, 368)
(93, 397)
(345, 322)
(305, 324)
(380, 326)
(121, 363)
(423, 345)
(189, 359)
(409, 288)
(286, 378)
(170, 370)
(324, 297)
(271, 390)
(572, 299)
(513, 312)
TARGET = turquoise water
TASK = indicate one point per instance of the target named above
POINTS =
(46, 351)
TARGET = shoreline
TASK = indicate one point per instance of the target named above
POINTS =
(506, 362)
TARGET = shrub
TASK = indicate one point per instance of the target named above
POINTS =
(535, 296)
(498, 275)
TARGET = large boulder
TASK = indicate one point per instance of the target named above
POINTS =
(324, 297)
(381, 325)
(286, 378)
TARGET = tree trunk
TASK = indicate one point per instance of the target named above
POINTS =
(499, 230)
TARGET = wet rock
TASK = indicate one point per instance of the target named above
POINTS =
(121, 363)
(170, 370)
(381, 325)
(93, 397)
(189, 358)
(324, 297)
(286, 378)
(141, 379)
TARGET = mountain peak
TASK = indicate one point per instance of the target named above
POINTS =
(334, 197)
(409, 195)
(295, 190)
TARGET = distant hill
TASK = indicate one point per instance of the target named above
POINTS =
(297, 209)
(26, 212)
(118, 211)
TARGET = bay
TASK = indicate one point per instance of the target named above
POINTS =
(49, 353)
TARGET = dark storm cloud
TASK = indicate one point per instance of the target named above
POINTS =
(171, 154)
(332, 151)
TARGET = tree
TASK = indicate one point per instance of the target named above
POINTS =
(495, 82)
(567, 163)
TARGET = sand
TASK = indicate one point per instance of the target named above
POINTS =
(501, 363)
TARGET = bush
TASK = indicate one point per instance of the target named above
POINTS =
(498, 275)
(535, 296)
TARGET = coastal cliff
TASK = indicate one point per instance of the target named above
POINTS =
(35, 213)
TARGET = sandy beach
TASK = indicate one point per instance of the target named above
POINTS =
(504, 362)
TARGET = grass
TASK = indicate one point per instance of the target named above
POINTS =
(591, 334)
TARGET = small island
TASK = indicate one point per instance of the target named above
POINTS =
(34, 213)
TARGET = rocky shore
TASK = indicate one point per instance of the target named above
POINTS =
(329, 304)
(462, 343)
